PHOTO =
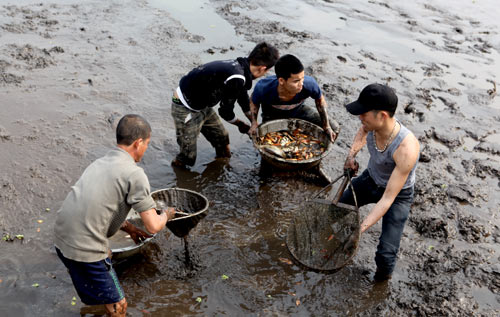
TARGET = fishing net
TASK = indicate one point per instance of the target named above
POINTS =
(324, 235)
(189, 202)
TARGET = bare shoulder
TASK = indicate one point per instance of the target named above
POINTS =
(407, 152)
(410, 142)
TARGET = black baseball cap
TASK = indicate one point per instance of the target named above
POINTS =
(374, 97)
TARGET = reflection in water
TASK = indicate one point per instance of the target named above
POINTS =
(314, 175)
(198, 181)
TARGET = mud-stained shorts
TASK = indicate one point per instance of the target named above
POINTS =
(189, 124)
(95, 282)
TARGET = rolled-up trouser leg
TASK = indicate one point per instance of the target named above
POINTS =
(393, 224)
(187, 128)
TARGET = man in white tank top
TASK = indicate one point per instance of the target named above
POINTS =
(389, 179)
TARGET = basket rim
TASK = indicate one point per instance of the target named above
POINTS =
(186, 190)
(132, 247)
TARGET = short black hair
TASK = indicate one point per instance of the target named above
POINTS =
(132, 127)
(264, 54)
(389, 112)
(287, 65)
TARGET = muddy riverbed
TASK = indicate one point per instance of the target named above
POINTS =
(69, 69)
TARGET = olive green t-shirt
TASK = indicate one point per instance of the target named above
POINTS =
(98, 204)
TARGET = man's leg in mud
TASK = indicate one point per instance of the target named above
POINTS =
(216, 134)
(187, 128)
(393, 224)
(117, 309)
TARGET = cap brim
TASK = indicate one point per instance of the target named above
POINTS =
(356, 108)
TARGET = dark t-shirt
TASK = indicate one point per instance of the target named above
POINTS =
(220, 81)
(266, 94)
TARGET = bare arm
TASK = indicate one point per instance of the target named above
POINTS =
(321, 105)
(135, 233)
(405, 157)
(154, 222)
(357, 145)
(254, 111)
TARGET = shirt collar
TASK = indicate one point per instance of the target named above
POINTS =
(243, 61)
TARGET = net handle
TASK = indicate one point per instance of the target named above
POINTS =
(346, 181)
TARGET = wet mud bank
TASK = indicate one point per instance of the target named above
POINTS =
(70, 69)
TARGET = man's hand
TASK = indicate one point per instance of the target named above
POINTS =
(331, 135)
(135, 233)
(253, 129)
(242, 127)
(351, 164)
(139, 235)
(170, 212)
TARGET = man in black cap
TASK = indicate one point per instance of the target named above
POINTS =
(389, 179)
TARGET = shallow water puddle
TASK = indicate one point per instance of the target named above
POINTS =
(200, 19)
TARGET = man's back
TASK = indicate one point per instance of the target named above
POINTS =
(205, 85)
(98, 204)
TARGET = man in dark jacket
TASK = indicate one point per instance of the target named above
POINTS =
(223, 82)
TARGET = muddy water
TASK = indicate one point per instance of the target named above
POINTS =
(69, 69)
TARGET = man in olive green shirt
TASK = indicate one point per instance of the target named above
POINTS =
(96, 208)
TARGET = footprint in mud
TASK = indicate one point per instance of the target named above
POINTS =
(450, 140)
(465, 194)
(434, 227)
(481, 168)
(428, 194)
(470, 231)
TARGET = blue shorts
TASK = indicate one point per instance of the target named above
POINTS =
(96, 282)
